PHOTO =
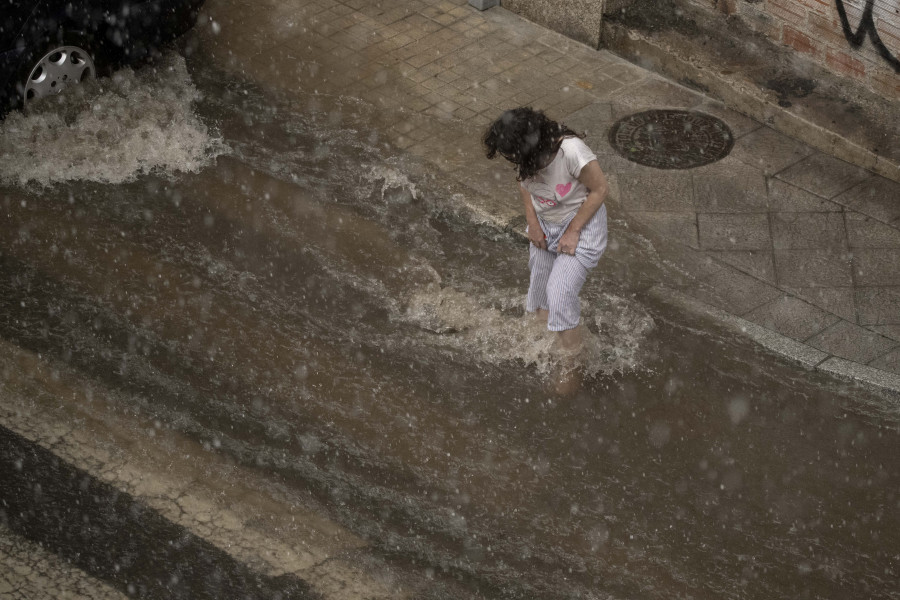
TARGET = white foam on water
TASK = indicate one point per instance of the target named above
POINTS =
(623, 326)
(489, 326)
(392, 179)
(110, 130)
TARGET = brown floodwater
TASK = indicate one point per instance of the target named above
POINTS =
(312, 305)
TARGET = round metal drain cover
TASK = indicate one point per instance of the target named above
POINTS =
(671, 139)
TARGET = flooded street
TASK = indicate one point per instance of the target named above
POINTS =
(273, 282)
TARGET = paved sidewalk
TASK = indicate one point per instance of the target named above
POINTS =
(799, 249)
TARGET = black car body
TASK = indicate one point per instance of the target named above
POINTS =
(113, 32)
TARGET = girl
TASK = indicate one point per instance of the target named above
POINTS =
(563, 192)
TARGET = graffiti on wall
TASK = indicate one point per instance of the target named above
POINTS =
(865, 28)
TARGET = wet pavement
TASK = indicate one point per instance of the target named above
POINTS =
(302, 359)
(155, 558)
(770, 82)
(778, 234)
(33, 572)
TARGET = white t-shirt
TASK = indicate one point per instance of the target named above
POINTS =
(555, 190)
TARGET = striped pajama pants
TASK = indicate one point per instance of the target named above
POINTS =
(557, 279)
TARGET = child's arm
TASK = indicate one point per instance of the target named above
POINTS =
(535, 233)
(595, 181)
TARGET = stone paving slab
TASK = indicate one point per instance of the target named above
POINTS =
(889, 331)
(876, 197)
(824, 175)
(792, 317)
(740, 125)
(677, 227)
(755, 263)
(667, 191)
(808, 231)
(784, 197)
(813, 267)
(729, 186)
(837, 300)
(876, 266)
(748, 231)
(774, 341)
(807, 228)
(867, 232)
(770, 151)
(720, 285)
(646, 94)
(879, 305)
(852, 342)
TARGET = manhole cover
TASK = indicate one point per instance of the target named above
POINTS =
(671, 139)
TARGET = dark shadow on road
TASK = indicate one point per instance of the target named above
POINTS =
(111, 536)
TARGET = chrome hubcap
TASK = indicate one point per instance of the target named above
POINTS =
(58, 69)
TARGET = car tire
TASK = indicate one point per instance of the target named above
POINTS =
(60, 65)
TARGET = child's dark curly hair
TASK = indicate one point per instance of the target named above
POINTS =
(526, 138)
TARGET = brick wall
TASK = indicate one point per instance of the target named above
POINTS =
(815, 29)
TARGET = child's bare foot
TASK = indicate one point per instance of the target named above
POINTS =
(539, 316)
(567, 382)
(568, 351)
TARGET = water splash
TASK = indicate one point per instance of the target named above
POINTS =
(395, 185)
(110, 130)
(492, 326)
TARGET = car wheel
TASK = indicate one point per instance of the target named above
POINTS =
(59, 68)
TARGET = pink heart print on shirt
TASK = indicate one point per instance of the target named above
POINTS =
(562, 190)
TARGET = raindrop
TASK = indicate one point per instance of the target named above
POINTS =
(659, 434)
(738, 408)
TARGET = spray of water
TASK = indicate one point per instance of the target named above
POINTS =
(392, 180)
(492, 327)
(110, 130)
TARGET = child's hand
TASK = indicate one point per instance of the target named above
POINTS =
(536, 236)
(569, 241)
